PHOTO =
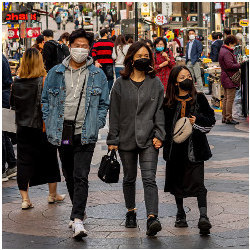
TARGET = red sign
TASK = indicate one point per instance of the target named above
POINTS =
(33, 32)
(13, 33)
(129, 3)
(16, 17)
(23, 30)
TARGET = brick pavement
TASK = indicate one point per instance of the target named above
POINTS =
(226, 178)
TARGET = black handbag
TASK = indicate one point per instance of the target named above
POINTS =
(109, 169)
(69, 126)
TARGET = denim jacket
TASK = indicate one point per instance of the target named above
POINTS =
(96, 104)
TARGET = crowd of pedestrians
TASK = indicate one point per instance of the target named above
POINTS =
(63, 92)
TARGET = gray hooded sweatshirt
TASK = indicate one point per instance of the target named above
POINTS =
(74, 79)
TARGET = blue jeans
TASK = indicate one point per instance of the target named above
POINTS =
(117, 71)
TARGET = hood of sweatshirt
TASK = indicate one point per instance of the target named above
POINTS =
(66, 61)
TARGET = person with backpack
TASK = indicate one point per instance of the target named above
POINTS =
(119, 52)
(164, 60)
(53, 52)
(58, 20)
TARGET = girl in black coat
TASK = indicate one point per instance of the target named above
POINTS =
(185, 161)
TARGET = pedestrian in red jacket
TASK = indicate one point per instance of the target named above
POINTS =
(229, 67)
(164, 60)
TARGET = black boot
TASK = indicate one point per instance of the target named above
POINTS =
(204, 225)
(181, 220)
(153, 226)
(131, 220)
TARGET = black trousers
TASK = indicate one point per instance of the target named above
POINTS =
(76, 161)
(8, 152)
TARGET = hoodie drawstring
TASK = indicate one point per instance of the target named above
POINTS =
(77, 83)
(72, 84)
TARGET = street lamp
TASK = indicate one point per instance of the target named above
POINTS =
(136, 21)
(47, 19)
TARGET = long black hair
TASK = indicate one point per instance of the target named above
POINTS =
(128, 61)
(173, 90)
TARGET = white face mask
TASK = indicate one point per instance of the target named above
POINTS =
(192, 37)
(79, 55)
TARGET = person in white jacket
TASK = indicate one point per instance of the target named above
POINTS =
(119, 52)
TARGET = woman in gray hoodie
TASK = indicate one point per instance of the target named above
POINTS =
(136, 128)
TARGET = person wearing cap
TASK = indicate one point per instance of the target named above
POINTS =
(185, 153)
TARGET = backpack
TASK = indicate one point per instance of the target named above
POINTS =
(62, 52)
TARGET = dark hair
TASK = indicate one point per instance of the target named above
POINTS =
(39, 39)
(227, 31)
(191, 30)
(113, 38)
(65, 35)
(48, 33)
(128, 61)
(81, 33)
(120, 41)
(129, 38)
(103, 32)
(172, 90)
(215, 35)
(231, 39)
(158, 39)
(220, 35)
(149, 41)
(154, 35)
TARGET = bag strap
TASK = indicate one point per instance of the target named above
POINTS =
(80, 98)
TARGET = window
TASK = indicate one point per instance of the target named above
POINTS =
(193, 7)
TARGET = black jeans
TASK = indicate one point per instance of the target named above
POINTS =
(148, 159)
(109, 72)
(8, 152)
(76, 161)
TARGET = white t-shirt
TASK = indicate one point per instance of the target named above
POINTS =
(120, 56)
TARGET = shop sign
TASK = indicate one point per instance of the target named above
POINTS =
(33, 32)
(13, 17)
(129, 3)
(145, 9)
(244, 22)
(227, 10)
(160, 19)
(13, 33)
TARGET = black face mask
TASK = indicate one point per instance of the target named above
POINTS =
(143, 64)
(186, 85)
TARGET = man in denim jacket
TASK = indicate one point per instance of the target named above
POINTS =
(60, 99)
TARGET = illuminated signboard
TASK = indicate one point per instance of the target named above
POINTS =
(14, 17)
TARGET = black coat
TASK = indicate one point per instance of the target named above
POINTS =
(205, 120)
(215, 50)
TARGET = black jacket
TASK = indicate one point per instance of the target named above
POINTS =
(51, 54)
(6, 82)
(215, 50)
(198, 143)
(26, 99)
(136, 115)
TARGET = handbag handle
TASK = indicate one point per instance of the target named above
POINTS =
(112, 154)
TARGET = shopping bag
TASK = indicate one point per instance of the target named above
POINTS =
(8, 120)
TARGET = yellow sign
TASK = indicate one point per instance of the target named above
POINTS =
(244, 22)
(145, 9)
(227, 10)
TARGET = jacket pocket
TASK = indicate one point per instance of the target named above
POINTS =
(95, 97)
(53, 97)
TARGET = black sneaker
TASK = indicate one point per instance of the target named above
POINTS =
(181, 220)
(153, 226)
(131, 220)
(233, 122)
(204, 225)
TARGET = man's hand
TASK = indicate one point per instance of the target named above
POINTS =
(192, 119)
(157, 143)
(111, 147)
(98, 65)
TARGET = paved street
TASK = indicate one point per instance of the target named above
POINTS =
(226, 178)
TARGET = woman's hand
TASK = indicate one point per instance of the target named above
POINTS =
(163, 64)
(157, 143)
(165, 54)
(192, 119)
(111, 147)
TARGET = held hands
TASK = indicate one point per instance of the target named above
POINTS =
(157, 143)
(192, 119)
(98, 65)
(111, 147)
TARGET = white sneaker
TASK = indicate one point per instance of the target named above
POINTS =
(79, 230)
(72, 222)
